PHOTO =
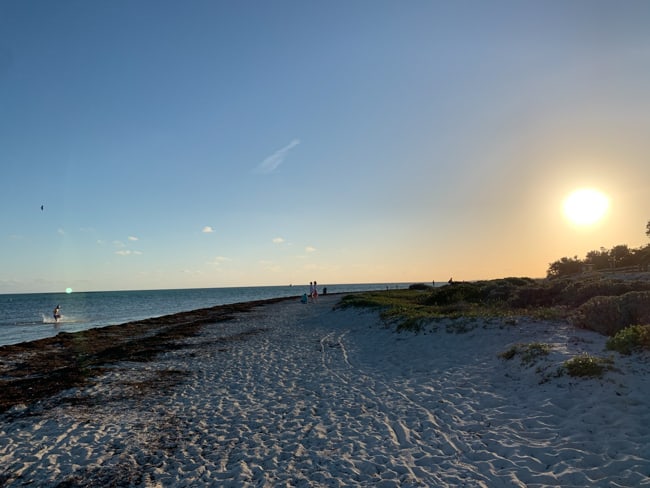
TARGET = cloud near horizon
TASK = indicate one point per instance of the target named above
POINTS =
(271, 163)
(278, 240)
(207, 230)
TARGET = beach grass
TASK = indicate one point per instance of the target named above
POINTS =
(414, 308)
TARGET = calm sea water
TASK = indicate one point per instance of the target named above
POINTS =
(28, 317)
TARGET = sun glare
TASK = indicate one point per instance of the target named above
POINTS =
(585, 206)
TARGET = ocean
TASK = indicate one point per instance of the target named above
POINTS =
(28, 317)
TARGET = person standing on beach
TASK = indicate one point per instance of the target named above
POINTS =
(57, 313)
(315, 295)
(311, 291)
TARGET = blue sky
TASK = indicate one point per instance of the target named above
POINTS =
(227, 143)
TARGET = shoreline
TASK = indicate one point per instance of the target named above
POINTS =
(34, 370)
(291, 394)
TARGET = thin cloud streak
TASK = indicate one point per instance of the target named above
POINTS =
(271, 163)
(128, 252)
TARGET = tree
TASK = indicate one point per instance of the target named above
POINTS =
(564, 267)
(621, 255)
(618, 256)
(600, 259)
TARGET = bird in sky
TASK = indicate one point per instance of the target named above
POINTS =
(42, 207)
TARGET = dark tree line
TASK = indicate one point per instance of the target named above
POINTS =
(617, 257)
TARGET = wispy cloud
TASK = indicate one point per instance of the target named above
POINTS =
(193, 272)
(278, 240)
(271, 163)
(122, 247)
(207, 230)
(310, 249)
(218, 260)
(128, 252)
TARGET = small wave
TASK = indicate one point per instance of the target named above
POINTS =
(48, 320)
(63, 320)
(21, 324)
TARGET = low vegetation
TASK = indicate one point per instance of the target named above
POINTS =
(632, 339)
(610, 314)
(416, 307)
(587, 366)
(400, 306)
(527, 353)
(604, 305)
(609, 306)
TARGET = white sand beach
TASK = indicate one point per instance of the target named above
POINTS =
(301, 395)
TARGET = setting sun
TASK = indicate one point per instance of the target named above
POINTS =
(585, 206)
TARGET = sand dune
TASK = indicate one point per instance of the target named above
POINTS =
(303, 395)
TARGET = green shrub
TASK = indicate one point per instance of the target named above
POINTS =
(509, 354)
(461, 326)
(360, 301)
(587, 366)
(582, 291)
(400, 307)
(528, 352)
(544, 294)
(454, 293)
(608, 315)
(533, 351)
(571, 292)
(379, 299)
(516, 281)
(420, 286)
(609, 308)
(630, 339)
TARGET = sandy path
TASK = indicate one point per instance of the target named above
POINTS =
(299, 395)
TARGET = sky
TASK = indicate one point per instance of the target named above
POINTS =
(246, 143)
